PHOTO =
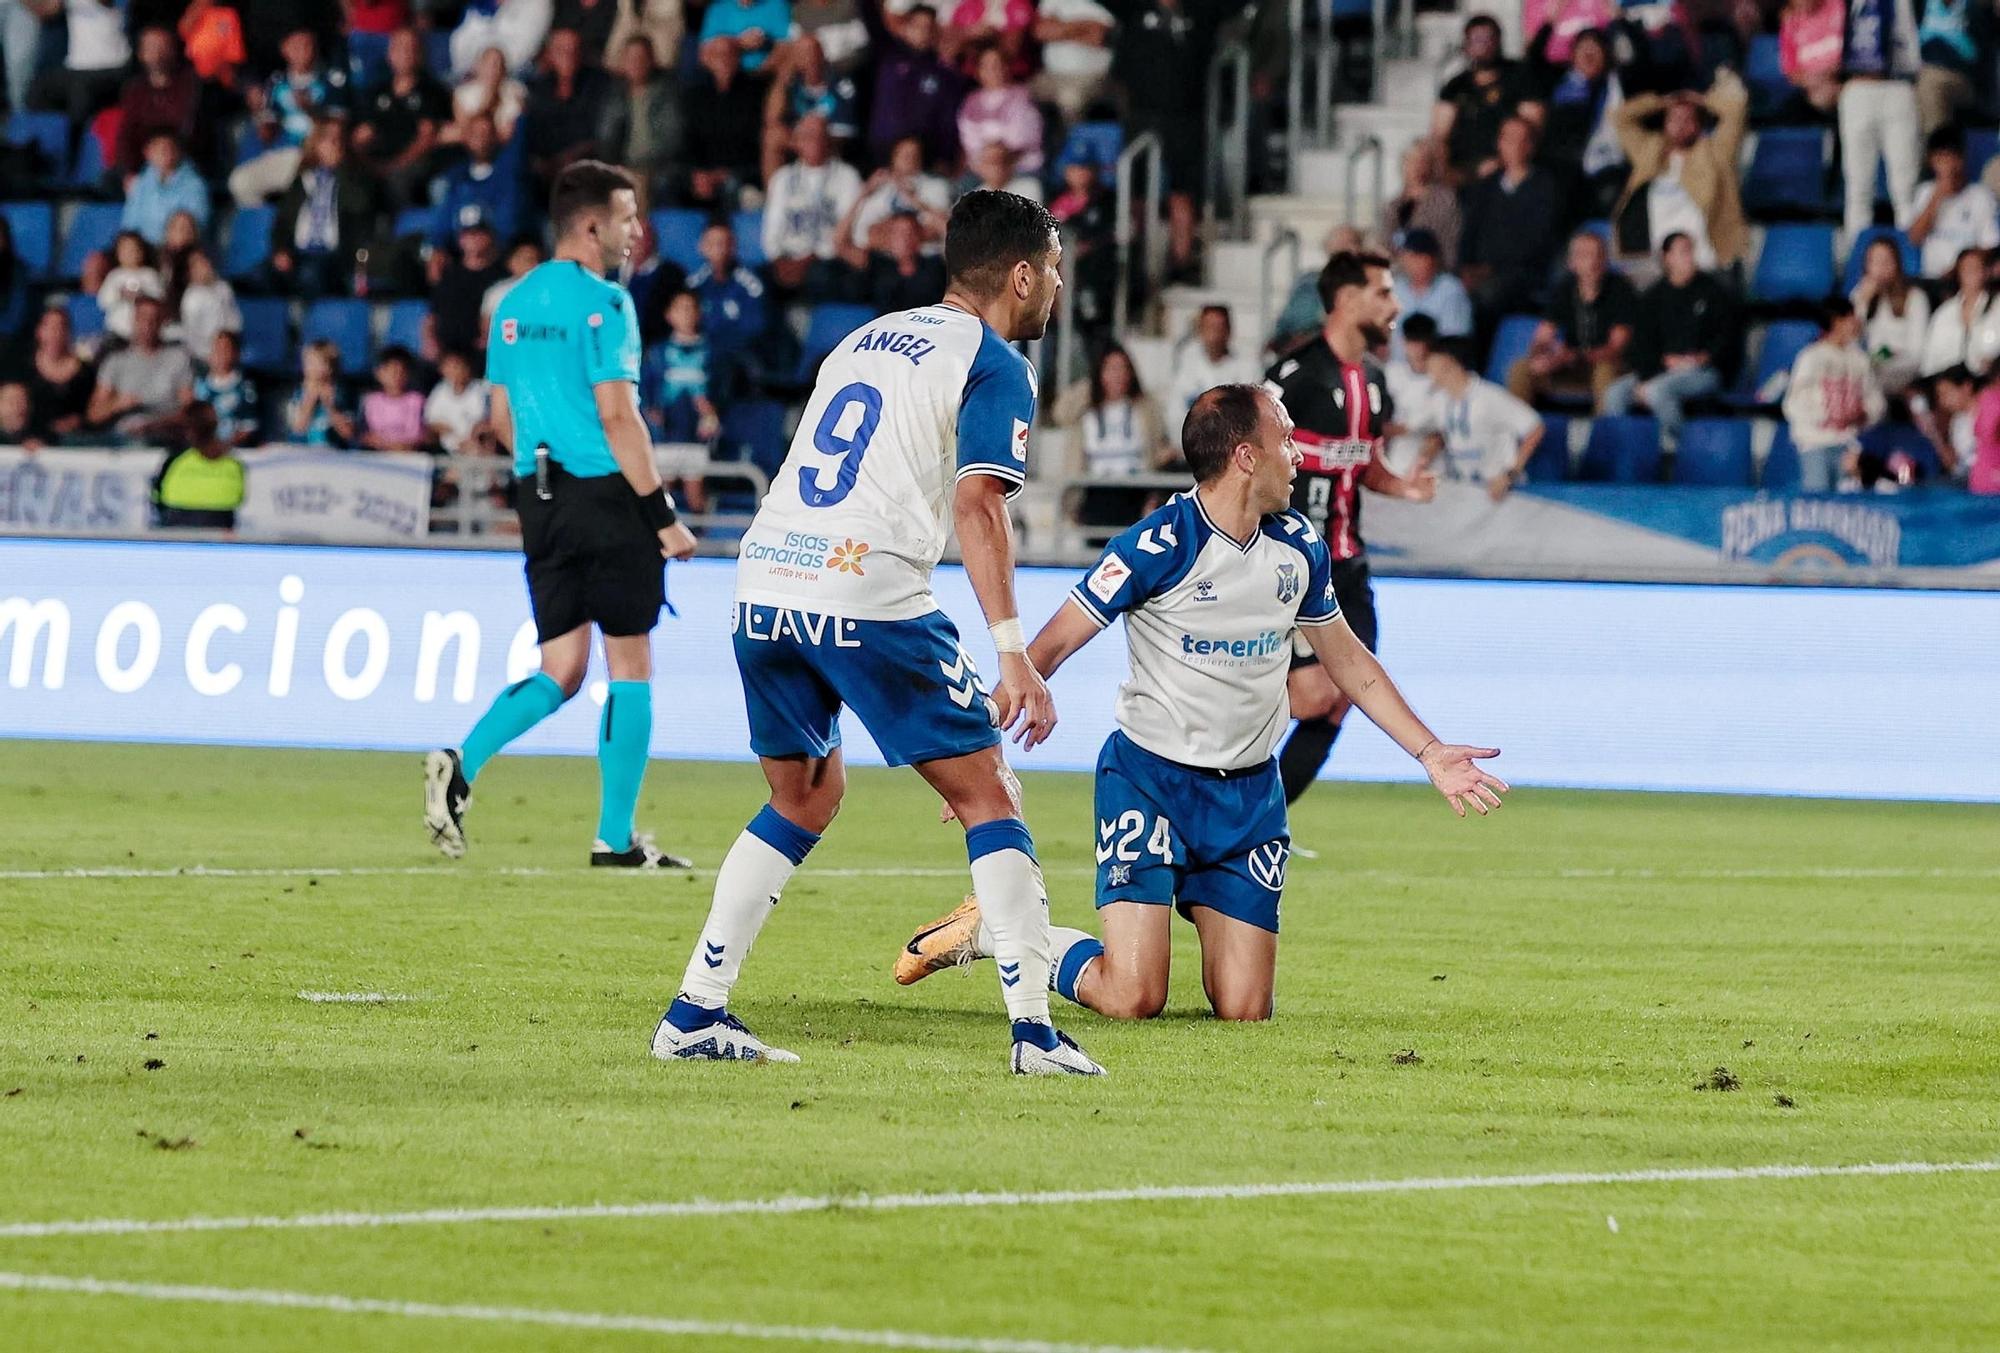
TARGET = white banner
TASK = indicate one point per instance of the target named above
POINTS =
(76, 492)
(343, 497)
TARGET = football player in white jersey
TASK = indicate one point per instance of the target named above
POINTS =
(919, 419)
(1190, 807)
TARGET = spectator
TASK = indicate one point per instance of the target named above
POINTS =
(1833, 398)
(1580, 346)
(1581, 142)
(565, 104)
(1000, 111)
(1163, 53)
(229, 393)
(915, 93)
(1088, 212)
(973, 26)
(903, 188)
(1114, 432)
(1488, 436)
(1878, 108)
(592, 21)
(133, 278)
(460, 287)
(1555, 27)
(180, 239)
(1811, 37)
(1984, 475)
(287, 108)
(456, 415)
(141, 387)
(1419, 406)
(1949, 214)
(392, 416)
(1965, 325)
(60, 381)
(1474, 104)
(994, 168)
(17, 418)
(1075, 36)
(806, 87)
(1081, 184)
(733, 313)
(1205, 359)
(325, 218)
(1512, 220)
(1685, 335)
(652, 282)
(167, 184)
(201, 486)
(1945, 412)
(476, 190)
(1423, 287)
(1426, 201)
(489, 91)
(1684, 179)
(401, 121)
(522, 259)
(319, 412)
(807, 200)
(753, 27)
(1895, 315)
(839, 29)
(897, 276)
(208, 305)
(1305, 311)
(21, 26)
(1952, 39)
(15, 286)
(158, 101)
(377, 18)
(93, 66)
(643, 126)
(724, 144)
(212, 34)
(686, 413)
(516, 27)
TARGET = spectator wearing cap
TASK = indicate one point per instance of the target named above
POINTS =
(734, 314)
(1832, 399)
(916, 94)
(1580, 346)
(401, 121)
(1206, 358)
(1684, 177)
(1685, 335)
(475, 190)
(1950, 214)
(1878, 107)
(199, 487)
(160, 99)
(724, 143)
(807, 201)
(1512, 219)
(141, 387)
(804, 86)
(324, 218)
(167, 184)
(1075, 37)
(643, 125)
(287, 107)
(839, 29)
(1423, 287)
(517, 27)
(754, 27)
(1477, 102)
(460, 288)
(902, 187)
(1487, 436)
(1965, 324)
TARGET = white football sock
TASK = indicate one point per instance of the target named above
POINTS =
(747, 887)
(1014, 905)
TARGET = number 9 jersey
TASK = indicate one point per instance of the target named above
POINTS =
(858, 515)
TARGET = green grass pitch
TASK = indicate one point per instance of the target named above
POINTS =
(1551, 990)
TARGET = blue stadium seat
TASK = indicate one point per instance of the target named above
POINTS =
(1511, 342)
(345, 324)
(1981, 144)
(1622, 450)
(1796, 265)
(94, 225)
(1716, 452)
(825, 327)
(1857, 254)
(754, 430)
(247, 245)
(1783, 342)
(1781, 464)
(34, 228)
(406, 326)
(1886, 439)
(1550, 463)
(437, 53)
(413, 222)
(1762, 71)
(86, 317)
(749, 228)
(677, 234)
(368, 59)
(48, 132)
(87, 174)
(1787, 172)
(1102, 142)
(267, 335)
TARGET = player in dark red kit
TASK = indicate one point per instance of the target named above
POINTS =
(1336, 394)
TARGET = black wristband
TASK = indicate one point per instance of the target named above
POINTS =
(658, 507)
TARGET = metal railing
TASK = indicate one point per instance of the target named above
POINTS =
(1285, 241)
(1229, 147)
(480, 507)
(1369, 148)
(1067, 347)
(1144, 148)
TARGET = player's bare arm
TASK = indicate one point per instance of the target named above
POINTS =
(1068, 630)
(986, 539)
(632, 447)
(1418, 488)
(1453, 768)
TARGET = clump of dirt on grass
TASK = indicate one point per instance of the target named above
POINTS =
(1407, 1057)
(1722, 1078)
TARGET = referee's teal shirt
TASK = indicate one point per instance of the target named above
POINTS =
(558, 333)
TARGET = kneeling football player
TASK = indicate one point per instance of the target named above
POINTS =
(1190, 809)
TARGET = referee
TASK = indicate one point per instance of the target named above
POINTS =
(596, 522)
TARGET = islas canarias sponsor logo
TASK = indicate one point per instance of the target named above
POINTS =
(802, 555)
(1197, 649)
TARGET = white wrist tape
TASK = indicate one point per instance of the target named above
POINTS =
(1008, 637)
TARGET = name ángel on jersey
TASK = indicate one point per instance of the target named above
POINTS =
(858, 515)
(1208, 621)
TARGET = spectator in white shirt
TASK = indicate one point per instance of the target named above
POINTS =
(1895, 315)
(806, 202)
(1076, 53)
(1834, 397)
(132, 277)
(903, 188)
(1419, 406)
(1204, 360)
(1950, 214)
(455, 413)
(1488, 436)
(1965, 326)
(208, 305)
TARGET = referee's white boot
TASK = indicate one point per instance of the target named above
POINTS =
(694, 1033)
(643, 853)
(446, 797)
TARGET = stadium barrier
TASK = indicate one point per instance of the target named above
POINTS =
(1857, 692)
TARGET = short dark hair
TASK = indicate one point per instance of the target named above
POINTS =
(1457, 349)
(1215, 308)
(1949, 139)
(915, 10)
(1420, 328)
(587, 185)
(1481, 21)
(1677, 237)
(235, 339)
(989, 232)
(1833, 310)
(1218, 422)
(1348, 268)
(395, 352)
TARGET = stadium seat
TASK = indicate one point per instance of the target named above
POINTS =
(753, 430)
(345, 324)
(47, 132)
(367, 58)
(1102, 142)
(1715, 452)
(437, 53)
(34, 228)
(1787, 173)
(248, 244)
(1888, 439)
(87, 174)
(826, 326)
(1550, 463)
(1980, 146)
(1511, 342)
(86, 318)
(749, 228)
(413, 222)
(94, 225)
(1770, 91)
(1796, 265)
(267, 335)
(1783, 342)
(1781, 463)
(677, 235)
(1857, 254)
(1622, 450)
(406, 326)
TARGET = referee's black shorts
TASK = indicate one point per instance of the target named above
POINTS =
(1357, 606)
(592, 559)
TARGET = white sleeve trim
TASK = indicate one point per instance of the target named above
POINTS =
(1015, 482)
(1318, 621)
(1097, 617)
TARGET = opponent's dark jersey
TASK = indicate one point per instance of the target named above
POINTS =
(1340, 409)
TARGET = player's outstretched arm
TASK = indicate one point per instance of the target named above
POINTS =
(1378, 476)
(632, 447)
(1454, 769)
(1068, 630)
(986, 541)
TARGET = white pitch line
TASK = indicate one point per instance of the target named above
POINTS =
(354, 997)
(902, 1202)
(530, 1315)
(931, 872)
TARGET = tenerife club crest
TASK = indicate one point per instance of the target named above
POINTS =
(1288, 583)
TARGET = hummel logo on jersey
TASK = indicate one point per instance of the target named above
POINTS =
(1108, 577)
(1205, 590)
(1288, 582)
(1267, 864)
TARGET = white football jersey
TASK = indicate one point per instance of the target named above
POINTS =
(1483, 430)
(858, 515)
(1208, 622)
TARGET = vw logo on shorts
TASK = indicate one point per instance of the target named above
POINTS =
(1267, 864)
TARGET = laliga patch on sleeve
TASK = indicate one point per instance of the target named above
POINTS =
(1108, 577)
(1020, 441)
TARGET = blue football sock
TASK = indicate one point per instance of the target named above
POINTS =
(623, 739)
(1074, 951)
(513, 712)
